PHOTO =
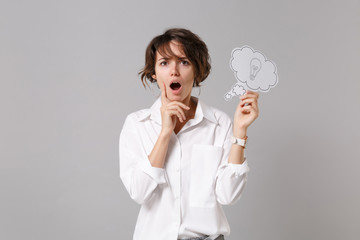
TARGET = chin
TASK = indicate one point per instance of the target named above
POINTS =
(179, 97)
(176, 98)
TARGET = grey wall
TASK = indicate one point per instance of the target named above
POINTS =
(68, 72)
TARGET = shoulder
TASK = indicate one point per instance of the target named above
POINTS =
(139, 115)
(134, 118)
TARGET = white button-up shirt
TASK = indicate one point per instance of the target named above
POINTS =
(183, 199)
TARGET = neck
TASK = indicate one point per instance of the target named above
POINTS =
(187, 101)
(192, 103)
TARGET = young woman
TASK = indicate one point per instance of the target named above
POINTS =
(181, 159)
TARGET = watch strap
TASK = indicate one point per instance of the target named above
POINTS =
(239, 141)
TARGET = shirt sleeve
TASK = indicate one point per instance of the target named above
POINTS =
(136, 172)
(230, 178)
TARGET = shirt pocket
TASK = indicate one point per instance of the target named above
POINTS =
(204, 162)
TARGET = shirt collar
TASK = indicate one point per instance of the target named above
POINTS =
(202, 111)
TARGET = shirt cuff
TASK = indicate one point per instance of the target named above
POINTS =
(158, 174)
(240, 169)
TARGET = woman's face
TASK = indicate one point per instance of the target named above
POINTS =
(176, 72)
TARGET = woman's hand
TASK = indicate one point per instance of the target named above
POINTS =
(245, 114)
(171, 111)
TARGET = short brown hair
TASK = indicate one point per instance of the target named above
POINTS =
(193, 47)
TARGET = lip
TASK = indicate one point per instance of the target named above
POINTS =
(177, 91)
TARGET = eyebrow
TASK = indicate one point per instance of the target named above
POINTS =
(167, 58)
(163, 58)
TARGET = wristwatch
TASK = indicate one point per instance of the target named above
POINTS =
(239, 141)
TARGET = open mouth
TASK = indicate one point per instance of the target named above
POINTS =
(175, 86)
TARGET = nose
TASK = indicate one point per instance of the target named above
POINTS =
(174, 71)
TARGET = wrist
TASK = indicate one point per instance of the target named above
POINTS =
(239, 141)
(165, 134)
(240, 133)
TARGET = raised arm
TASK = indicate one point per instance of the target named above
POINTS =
(170, 113)
(246, 113)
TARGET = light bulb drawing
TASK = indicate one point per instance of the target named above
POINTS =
(250, 79)
(255, 66)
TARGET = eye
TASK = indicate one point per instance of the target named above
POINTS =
(185, 62)
(163, 63)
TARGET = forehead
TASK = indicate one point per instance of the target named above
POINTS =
(170, 50)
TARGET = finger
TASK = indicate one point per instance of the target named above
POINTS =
(179, 109)
(180, 104)
(255, 106)
(164, 99)
(255, 96)
(248, 101)
(250, 110)
(247, 109)
(250, 94)
(180, 117)
(175, 113)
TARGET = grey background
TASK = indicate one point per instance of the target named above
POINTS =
(68, 72)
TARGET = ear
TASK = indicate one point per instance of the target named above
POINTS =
(153, 76)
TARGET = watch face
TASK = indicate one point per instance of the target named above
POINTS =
(233, 140)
